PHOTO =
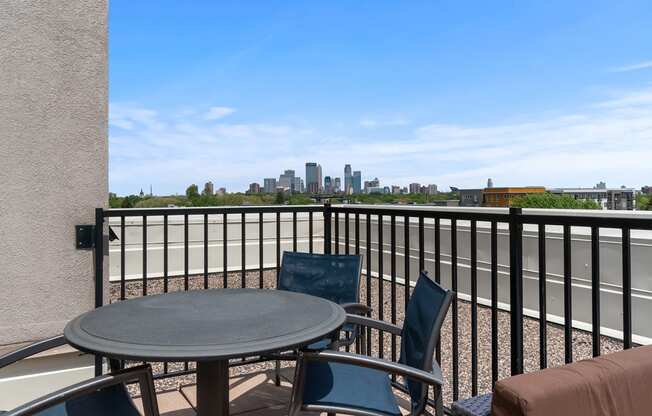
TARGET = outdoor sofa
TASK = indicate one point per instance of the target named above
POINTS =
(618, 384)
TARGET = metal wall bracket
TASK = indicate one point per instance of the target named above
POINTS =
(84, 237)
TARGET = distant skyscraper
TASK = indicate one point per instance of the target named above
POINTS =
(348, 179)
(432, 189)
(328, 185)
(396, 189)
(490, 183)
(415, 188)
(372, 186)
(337, 185)
(254, 188)
(298, 185)
(313, 177)
(286, 180)
(208, 188)
(269, 185)
(357, 182)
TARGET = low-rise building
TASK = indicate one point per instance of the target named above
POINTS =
(470, 197)
(503, 197)
(608, 198)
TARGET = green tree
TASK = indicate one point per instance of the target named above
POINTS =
(644, 202)
(192, 191)
(163, 202)
(551, 201)
(129, 201)
(280, 198)
(300, 199)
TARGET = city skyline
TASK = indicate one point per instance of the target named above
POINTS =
(295, 184)
(437, 101)
(290, 181)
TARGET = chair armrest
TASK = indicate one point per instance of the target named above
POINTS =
(373, 323)
(375, 363)
(142, 373)
(356, 308)
(31, 349)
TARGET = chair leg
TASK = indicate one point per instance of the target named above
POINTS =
(277, 373)
(439, 403)
(148, 394)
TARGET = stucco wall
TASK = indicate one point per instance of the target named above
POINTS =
(53, 159)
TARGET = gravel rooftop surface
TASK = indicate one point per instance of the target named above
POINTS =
(582, 345)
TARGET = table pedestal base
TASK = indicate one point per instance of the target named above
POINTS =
(213, 388)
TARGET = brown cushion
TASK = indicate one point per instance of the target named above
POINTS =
(618, 384)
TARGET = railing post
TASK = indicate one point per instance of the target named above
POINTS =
(327, 227)
(98, 254)
(516, 289)
(98, 257)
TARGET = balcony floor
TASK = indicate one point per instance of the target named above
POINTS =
(252, 394)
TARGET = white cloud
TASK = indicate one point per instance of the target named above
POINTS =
(609, 140)
(634, 67)
(629, 100)
(129, 117)
(375, 122)
(216, 113)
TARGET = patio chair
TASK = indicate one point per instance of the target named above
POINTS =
(341, 382)
(332, 277)
(100, 396)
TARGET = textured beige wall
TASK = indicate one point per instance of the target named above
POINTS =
(53, 159)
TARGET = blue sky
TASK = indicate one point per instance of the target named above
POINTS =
(553, 93)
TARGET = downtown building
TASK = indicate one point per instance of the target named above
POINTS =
(313, 178)
(286, 180)
(357, 182)
(269, 185)
(254, 188)
(348, 179)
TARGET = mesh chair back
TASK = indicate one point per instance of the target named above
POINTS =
(332, 277)
(425, 314)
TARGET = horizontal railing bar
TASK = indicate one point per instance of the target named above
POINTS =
(414, 211)
(117, 212)
(603, 219)
(417, 213)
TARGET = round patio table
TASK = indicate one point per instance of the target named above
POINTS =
(206, 326)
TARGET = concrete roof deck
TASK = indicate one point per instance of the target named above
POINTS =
(252, 394)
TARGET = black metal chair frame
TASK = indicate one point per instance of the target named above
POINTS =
(141, 374)
(430, 375)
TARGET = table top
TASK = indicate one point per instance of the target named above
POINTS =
(204, 325)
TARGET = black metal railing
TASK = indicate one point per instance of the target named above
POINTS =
(515, 219)
(343, 232)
